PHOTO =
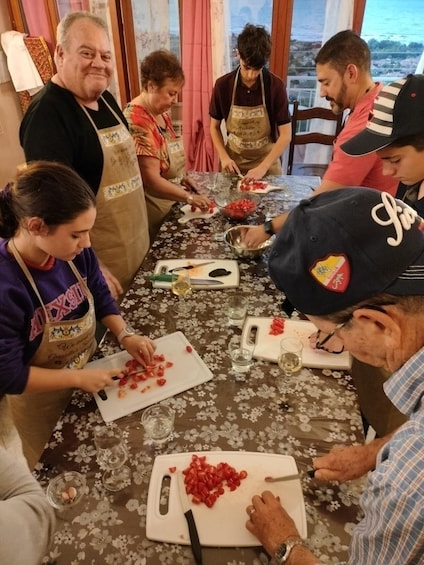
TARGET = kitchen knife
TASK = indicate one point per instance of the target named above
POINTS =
(194, 536)
(187, 267)
(284, 478)
(194, 282)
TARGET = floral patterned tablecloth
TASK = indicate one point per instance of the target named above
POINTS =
(222, 414)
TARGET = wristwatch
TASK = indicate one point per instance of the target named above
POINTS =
(283, 551)
(126, 332)
(268, 227)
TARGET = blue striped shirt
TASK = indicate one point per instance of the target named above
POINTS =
(392, 530)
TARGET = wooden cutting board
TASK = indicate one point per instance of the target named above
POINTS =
(268, 346)
(188, 370)
(229, 281)
(223, 524)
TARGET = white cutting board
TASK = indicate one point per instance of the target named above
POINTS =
(189, 215)
(188, 370)
(229, 281)
(223, 524)
(268, 346)
(265, 190)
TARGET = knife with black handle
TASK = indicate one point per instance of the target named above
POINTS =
(192, 529)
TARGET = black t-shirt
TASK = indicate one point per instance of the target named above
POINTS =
(56, 128)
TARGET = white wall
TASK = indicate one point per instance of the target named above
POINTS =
(11, 153)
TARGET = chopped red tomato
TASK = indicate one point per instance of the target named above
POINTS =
(206, 482)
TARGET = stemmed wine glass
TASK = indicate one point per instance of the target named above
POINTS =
(289, 361)
(112, 453)
(221, 197)
(181, 287)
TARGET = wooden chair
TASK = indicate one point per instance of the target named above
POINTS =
(299, 138)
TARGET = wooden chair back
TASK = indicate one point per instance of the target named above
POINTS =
(299, 138)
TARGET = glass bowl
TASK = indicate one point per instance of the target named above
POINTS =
(233, 238)
(239, 205)
(66, 490)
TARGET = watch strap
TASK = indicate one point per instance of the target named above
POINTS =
(127, 331)
(283, 551)
(268, 227)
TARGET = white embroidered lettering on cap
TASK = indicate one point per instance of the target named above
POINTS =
(402, 218)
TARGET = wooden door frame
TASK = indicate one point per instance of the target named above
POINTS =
(282, 15)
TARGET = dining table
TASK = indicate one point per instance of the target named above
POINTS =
(227, 413)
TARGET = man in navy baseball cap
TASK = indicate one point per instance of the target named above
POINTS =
(396, 133)
(353, 261)
(398, 112)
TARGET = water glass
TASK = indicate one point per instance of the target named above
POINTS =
(158, 423)
(236, 309)
(241, 356)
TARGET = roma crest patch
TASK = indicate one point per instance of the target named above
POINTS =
(333, 272)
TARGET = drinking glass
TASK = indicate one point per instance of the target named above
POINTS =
(289, 361)
(181, 287)
(112, 453)
(158, 423)
(221, 196)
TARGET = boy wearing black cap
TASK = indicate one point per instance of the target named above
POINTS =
(353, 262)
(396, 133)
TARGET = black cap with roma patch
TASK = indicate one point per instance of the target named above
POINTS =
(347, 245)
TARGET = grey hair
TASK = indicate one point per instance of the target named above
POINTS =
(62, 32)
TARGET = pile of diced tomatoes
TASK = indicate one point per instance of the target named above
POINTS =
(134, 373)
(239, 209)
(277, 326)
(247, 186)
(206, 482)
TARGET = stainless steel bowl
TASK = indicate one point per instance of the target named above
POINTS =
(233, 238)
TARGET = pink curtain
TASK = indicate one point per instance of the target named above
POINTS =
(197, 64)
(37, 21)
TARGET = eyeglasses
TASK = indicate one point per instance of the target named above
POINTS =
(319, 340)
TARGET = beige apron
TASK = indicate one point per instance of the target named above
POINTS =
(249, 140)
(158, 208)
(69, 343)
(120, 235)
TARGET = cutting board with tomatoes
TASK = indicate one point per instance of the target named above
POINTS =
(258, 186)
(267, 343)
(193, 213)
(224, 523)
(178, 367)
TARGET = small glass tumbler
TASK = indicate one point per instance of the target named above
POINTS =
(158, 423)
(241, 356)
(236, 310)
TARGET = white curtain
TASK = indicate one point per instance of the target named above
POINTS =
(221, 61)
(338, 16)
(151, 26)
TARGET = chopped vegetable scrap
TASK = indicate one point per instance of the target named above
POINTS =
(206, 482)
(239, 209)
(277, 326)
(247, 186)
